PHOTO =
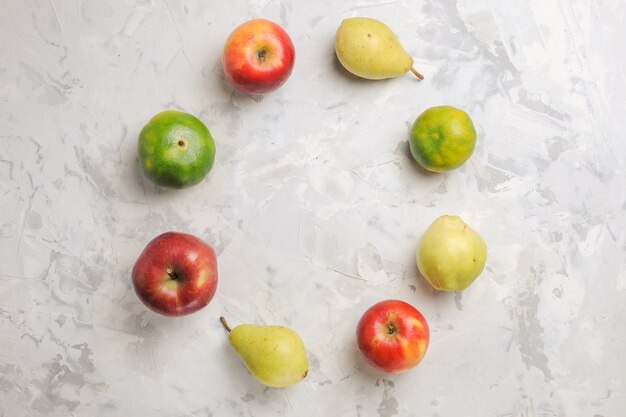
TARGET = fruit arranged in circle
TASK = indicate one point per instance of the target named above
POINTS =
(450, 254)
(369, 49)
(176, 274)
(258, 57)
(393, 336)
(176, 149)
(442, 138)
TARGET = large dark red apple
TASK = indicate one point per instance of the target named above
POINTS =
(392, 336)
(258, 57)
(176, 274)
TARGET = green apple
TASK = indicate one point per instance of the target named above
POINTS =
(451, 255)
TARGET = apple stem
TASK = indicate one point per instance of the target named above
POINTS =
(172, 274)
(225, 324)
(262, 55)
(417, 74)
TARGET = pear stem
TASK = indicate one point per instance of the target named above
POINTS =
(225, 324)
(417, 74)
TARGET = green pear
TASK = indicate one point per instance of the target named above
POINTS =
(274, 355)
(369, 49)
(451, 255)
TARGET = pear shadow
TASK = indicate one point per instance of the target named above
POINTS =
(342, 71)
(241, 376)
(339, 69)
(238, 371)
(422, 286)
(427, 290)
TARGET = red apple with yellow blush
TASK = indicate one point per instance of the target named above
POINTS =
(176, 274)
(258, 57)
(393, 336)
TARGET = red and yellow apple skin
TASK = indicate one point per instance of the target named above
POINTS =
(258, 57)
(393, 336)
(176, 274)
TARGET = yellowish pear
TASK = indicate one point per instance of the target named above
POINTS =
(274, 355)
(369, 49)
(451, 255)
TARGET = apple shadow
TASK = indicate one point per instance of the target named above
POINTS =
(142, 321)
(361, 367)
(229, 91)
(232, 93)
(366, 370)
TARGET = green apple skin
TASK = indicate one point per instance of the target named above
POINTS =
(451, 255)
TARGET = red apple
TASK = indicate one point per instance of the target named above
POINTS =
(392, 336)
(258, 57)
(176, 274)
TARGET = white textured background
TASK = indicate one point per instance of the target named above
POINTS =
(314, 207)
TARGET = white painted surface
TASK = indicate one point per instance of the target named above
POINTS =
(314, 207)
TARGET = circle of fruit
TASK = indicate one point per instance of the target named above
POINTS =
(442, 138)
(176, 149)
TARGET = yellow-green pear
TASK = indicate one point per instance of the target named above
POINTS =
(369, 49)
(274, 355)
(451, 255)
